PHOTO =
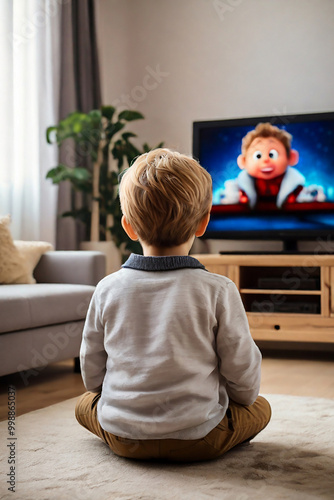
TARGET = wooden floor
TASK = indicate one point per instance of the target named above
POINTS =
(295, 374)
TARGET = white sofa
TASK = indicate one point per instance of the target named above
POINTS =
(42, 323)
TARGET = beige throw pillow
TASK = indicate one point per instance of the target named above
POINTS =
(31, 252)
(18, 259)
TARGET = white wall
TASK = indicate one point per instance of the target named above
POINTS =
(217, 58)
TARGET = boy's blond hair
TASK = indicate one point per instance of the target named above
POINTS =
(267, 130)
(164, 196)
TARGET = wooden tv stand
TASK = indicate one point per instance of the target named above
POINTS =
(286, 297)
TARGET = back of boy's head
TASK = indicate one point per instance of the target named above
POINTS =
(164, 196)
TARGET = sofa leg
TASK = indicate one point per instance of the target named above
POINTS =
(77, 368)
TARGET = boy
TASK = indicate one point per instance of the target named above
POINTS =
(167, 356)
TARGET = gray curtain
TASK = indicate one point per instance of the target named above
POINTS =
(79, 91)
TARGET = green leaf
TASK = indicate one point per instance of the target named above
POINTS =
(77, 175)
(113, 128)
(57, 174)
(147, 148)
(72, 126)
(95, 115)
(108, 111)
(49, 130)
(127, 135)
(53, 173)
(77, 127)
(130, 116)
(131, 151)
(118, 153)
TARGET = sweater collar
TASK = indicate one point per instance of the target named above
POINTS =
(169, 263)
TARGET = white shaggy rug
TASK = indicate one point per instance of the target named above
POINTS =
(293, 458)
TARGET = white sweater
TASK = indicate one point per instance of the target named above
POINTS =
(169, 343)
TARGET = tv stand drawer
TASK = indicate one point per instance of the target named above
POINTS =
(286, 297)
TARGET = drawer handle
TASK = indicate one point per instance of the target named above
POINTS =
(277, 327)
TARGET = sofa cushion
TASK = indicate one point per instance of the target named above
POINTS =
(26, 306)
(31, 252)
(18, 259)
(13, 268)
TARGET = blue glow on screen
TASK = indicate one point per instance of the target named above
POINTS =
(219, 147)
(314, 141)
(280, 222)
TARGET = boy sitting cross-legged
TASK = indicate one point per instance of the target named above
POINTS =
(167, 357)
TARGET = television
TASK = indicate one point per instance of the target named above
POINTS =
(307, 213)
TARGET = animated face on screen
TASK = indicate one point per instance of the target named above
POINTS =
(267, 158)
(267, 162)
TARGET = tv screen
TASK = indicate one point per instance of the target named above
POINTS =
(279, 185)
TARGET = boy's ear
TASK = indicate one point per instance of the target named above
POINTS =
(293, 157)
(241, 161)
(203, 225)
(129, 229)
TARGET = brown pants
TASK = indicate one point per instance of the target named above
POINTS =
(240, 424)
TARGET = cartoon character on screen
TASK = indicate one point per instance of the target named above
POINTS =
(267, 162)
(268, 174)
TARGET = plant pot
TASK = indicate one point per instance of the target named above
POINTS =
(112, 253)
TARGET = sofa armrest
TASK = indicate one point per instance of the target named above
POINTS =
(75, 267)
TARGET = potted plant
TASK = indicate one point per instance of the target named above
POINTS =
(103, 150)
